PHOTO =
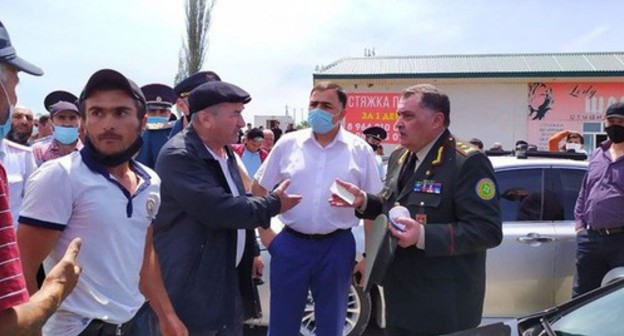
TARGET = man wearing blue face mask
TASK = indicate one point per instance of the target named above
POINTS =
(66, 122)
(160, 98)
(316, 250)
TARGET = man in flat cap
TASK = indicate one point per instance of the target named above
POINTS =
(65, 116)
(599, 210)
(316, 249)
(18, 314)
(204, 232)
(160, 98)
(109, 200)
(183, 89)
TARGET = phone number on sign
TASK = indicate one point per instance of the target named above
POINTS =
(359, 127)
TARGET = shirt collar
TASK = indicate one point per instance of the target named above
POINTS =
(309, 137)
(422, 154)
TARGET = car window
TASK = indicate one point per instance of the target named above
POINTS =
(602, 316)
(571, 180)
(521, 194)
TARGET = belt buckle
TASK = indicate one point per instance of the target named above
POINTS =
(119, 330)
(607, 231)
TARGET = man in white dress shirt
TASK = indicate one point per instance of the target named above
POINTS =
(315, 250)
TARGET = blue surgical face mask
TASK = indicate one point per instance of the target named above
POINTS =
(65, 135)
(156, 120)
(320, 120)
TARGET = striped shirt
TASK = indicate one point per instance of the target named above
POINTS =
(12, 284)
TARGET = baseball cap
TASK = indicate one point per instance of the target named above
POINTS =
(8, 55)
(107, 79)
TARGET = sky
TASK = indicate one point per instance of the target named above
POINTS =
(271, 48)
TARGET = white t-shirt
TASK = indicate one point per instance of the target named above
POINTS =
(65, 194)
(19, 163)
(312, 169)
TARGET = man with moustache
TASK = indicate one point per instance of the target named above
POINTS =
(22, 123)
(435, 284)
(109, 200)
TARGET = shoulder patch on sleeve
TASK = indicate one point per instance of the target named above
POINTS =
(485, 189)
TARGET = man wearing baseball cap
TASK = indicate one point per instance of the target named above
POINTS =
(102, 195)
(204, 232)
(18, 314)
(65, 116)
(599, 211)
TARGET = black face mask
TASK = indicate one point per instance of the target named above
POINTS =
(114, 160)
(615, 133)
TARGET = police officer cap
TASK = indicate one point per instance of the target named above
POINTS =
(184, 88)
(616, 110)
(213, 93)
(107, 79)
(159, 96)
(60, 100)
(9, 55)
(376, 132)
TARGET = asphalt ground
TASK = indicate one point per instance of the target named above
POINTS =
(259, 331)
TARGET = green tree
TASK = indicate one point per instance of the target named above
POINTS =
(303, 124)
(195, 43)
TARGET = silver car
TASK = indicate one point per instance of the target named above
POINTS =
(530, 271)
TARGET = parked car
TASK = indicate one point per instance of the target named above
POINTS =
(530, 271)
(595, 313)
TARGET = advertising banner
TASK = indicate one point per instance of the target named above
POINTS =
(553, 107)
(365, 110)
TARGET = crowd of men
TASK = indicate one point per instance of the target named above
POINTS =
(146, 224)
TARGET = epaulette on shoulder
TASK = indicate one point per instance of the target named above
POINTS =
(464, 148)
(401, 152)
(160, 126)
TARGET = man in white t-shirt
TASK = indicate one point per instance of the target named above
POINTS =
(103, 196)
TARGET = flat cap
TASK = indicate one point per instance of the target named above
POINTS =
(213, 93)
(9, 55)
(57, 101)
(188, 84)
(376, 132)
(107, 79)
(159, 95)
(615, 110)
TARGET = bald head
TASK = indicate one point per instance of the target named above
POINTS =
(269, 139)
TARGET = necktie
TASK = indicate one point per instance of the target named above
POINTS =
(408, 170)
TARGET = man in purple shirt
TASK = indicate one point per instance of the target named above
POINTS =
(599, 210)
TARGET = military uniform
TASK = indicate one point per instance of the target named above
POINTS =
(156, 133)
(453, 193)
(154, 138)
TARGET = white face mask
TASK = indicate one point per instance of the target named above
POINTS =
(572, 147)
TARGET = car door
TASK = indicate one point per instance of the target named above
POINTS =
(566, 183)
(520, 270)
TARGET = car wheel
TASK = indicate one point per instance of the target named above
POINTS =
(358, 314)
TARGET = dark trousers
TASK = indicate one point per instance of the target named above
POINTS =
(101, 328)
(324, 267)
(596, 254)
